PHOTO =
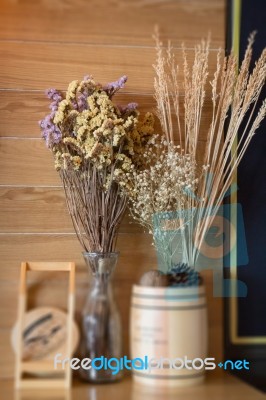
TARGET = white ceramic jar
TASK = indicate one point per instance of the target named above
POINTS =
(169, 323)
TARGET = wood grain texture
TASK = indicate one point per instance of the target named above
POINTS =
(34, 66)
(20, 112)
(7, 359)
(26, 162)
(42, 210)
(136, 253)
(118, 22)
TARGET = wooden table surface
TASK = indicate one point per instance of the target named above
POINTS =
(218, 386)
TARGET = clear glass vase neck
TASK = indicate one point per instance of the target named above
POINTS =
(101, 264)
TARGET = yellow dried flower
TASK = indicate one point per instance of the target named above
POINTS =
(98, 133)
(76, 160)
(60, 113)
(96, 150)
(71, 90)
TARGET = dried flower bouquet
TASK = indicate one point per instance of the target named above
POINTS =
(180, 93)
(95, 143)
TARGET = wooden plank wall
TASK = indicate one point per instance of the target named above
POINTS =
(47, 43)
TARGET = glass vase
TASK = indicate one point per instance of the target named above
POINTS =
(101, 325)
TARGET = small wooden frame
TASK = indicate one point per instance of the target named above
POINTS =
(63, 382)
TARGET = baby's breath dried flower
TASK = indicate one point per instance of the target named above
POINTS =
(160, 185)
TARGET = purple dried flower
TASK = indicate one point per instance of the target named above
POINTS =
(129, 108)
(54, 95)
(53, 106)
(82, 100)
(87, 77)
(50, 132)
(113, 87)
(82, 103)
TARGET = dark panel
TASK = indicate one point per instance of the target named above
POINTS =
(251, 182)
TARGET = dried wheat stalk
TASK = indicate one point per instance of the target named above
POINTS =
(234, 93)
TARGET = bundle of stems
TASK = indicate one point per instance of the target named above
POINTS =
(95, 212)
(235, 94)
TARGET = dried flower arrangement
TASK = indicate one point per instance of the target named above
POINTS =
(156, 191)
(163, 184)
(95, 143)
